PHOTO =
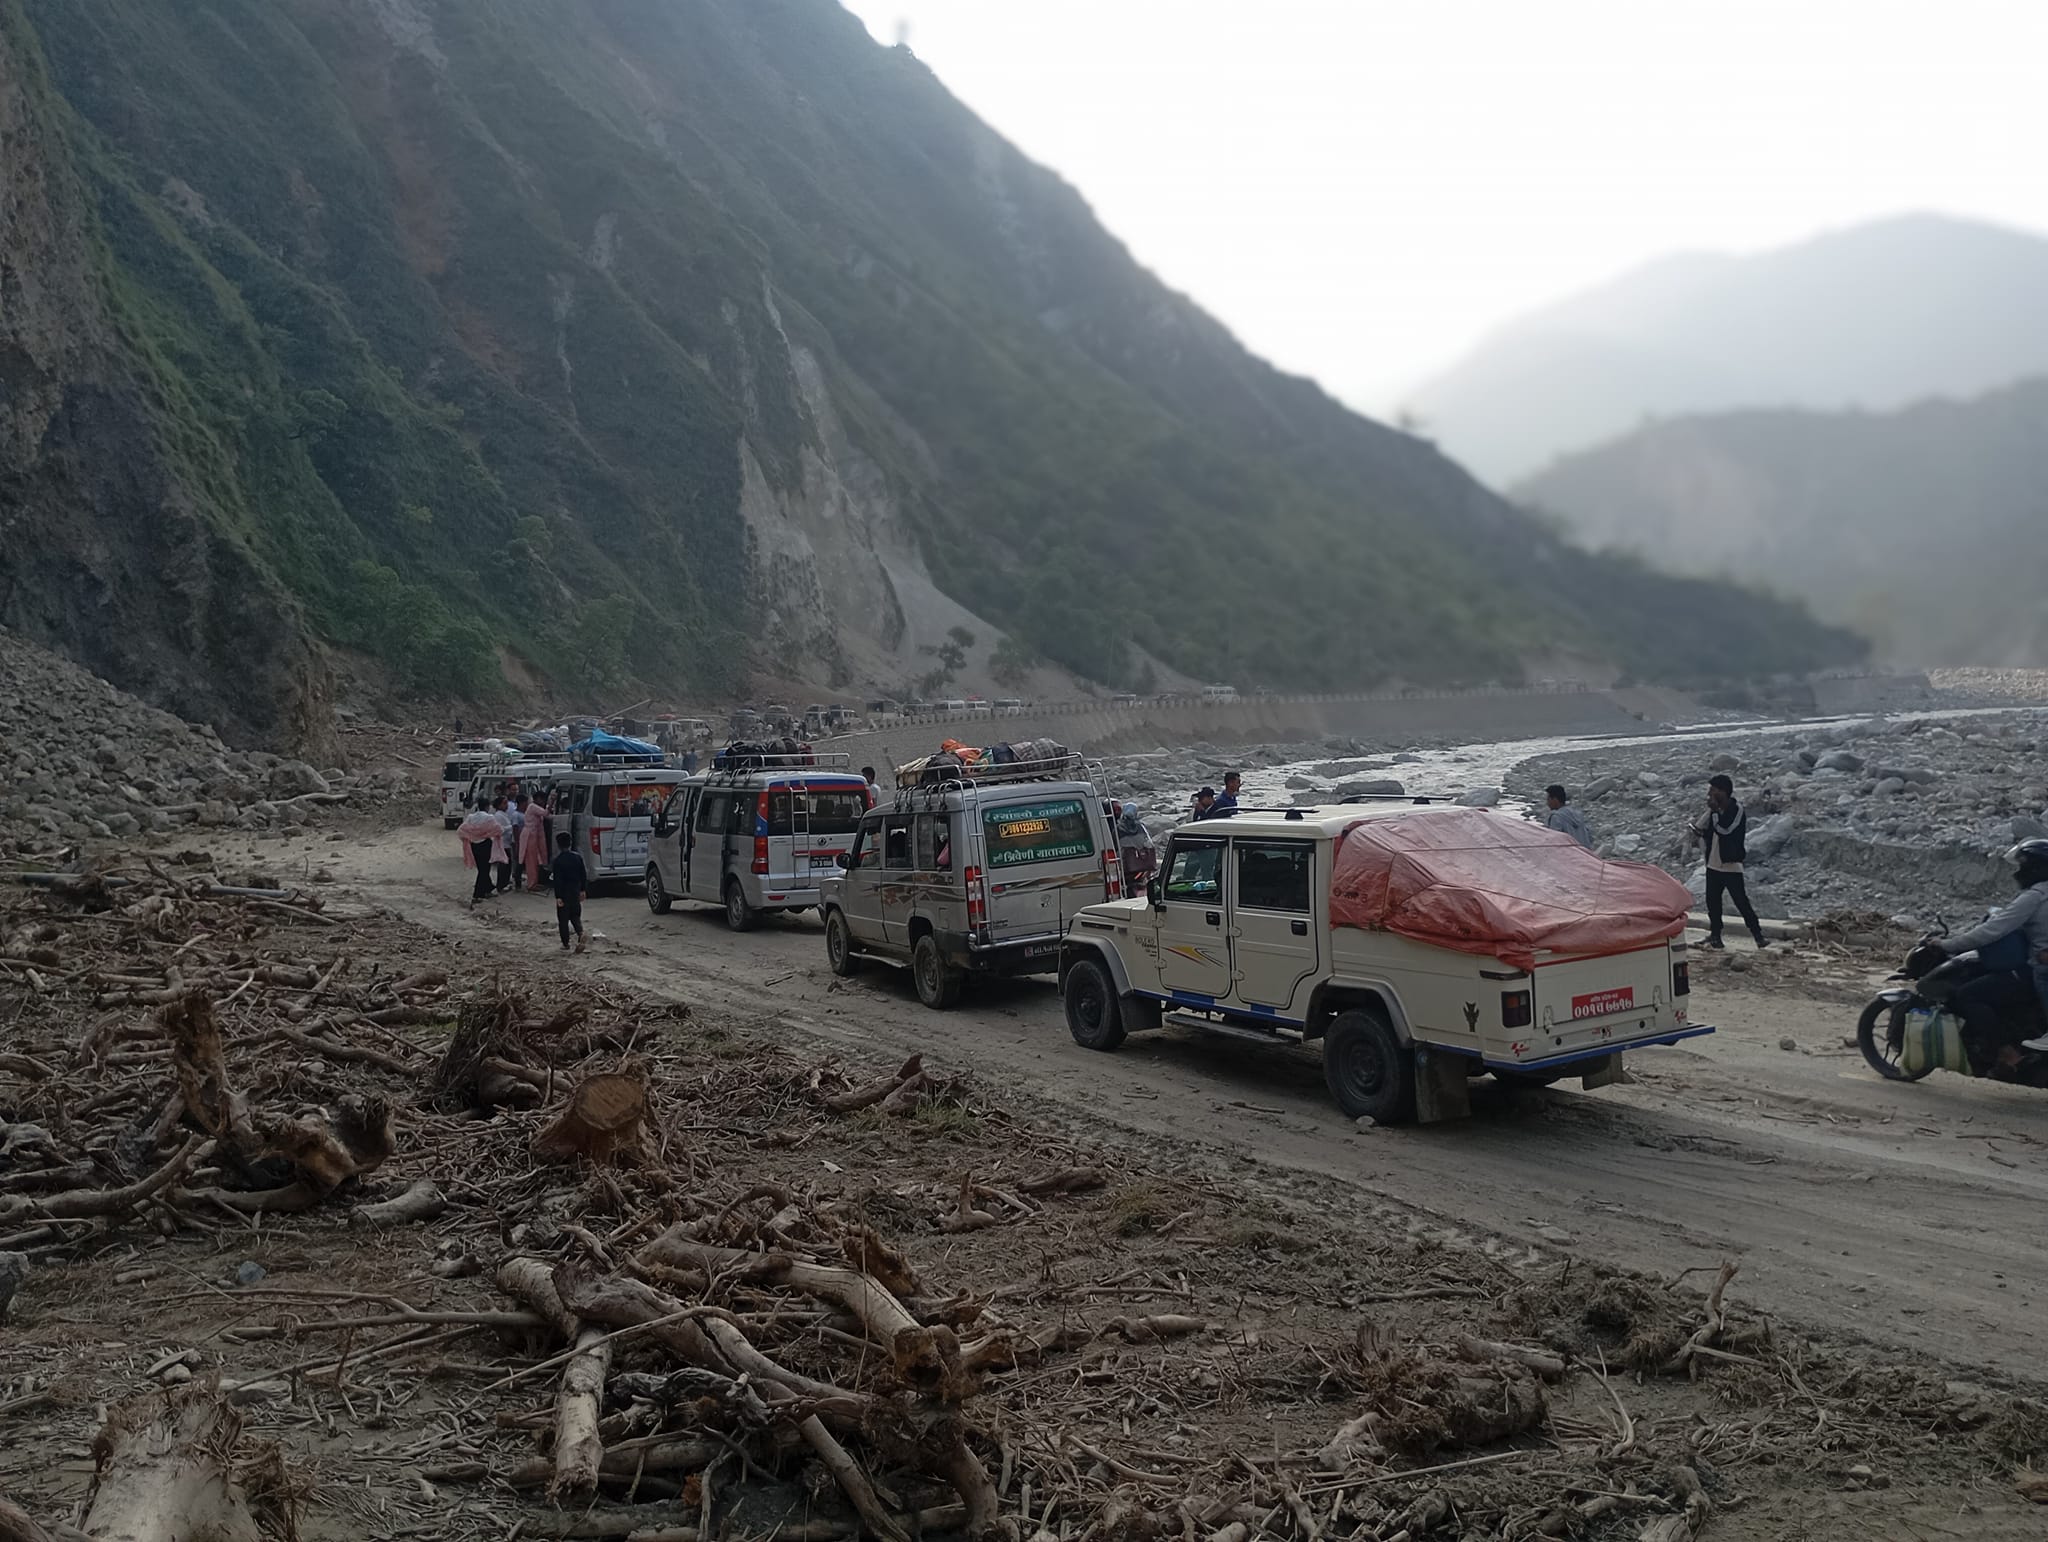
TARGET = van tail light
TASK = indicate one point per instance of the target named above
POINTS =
(977, 902)
(760, 853)
(1514, 1009)
(596, 843)
(1112, 874)
(1681, 979)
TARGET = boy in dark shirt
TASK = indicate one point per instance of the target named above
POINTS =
(571, 880)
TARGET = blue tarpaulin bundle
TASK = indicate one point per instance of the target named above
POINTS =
(601, 743)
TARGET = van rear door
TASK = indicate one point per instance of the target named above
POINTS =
(1044, 863)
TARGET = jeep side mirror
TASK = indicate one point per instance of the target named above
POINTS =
(844, 859)
(1155, 894)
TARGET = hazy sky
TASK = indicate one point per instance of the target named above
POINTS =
(1360, 188)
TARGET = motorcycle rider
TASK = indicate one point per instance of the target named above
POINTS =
(1990, 1007)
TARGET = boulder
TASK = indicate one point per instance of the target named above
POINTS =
(289, 778)
(1725, 762)
(1649, 779)
(1891, 786)
(2025, 827)
(1847, 761)
(1298, 784)
(1480, 797)
(1380, 788)
(1598, 789)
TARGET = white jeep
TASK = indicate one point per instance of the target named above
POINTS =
(1237, 936)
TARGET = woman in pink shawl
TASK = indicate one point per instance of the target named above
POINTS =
(533, 842)
(479, 834)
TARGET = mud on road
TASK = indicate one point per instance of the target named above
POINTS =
(1905, 1216)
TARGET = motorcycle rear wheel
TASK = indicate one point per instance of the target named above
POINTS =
(1885, 1054)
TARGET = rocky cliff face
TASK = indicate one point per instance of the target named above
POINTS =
(640, 347)
(105, 553)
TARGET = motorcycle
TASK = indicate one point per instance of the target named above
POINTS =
(1910, 1030)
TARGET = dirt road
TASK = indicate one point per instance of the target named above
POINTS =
(1905, 1215)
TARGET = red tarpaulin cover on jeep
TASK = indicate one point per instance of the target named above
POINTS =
(1478, 882)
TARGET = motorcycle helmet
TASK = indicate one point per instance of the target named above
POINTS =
(2029, 862)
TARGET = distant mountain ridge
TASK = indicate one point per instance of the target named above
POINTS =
(640, 348)
(1874, 316)
(1925, 528)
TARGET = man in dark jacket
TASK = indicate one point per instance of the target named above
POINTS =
(571, 881)
(1722, 828)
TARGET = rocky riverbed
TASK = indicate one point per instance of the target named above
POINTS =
(83, 761)
(1907, 817)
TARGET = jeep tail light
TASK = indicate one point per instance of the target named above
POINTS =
(1112, 874)
(977, 901)
(760, 853)
(1514, 1009)
(1681, 979)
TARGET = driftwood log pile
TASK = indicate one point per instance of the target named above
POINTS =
(673, 1315)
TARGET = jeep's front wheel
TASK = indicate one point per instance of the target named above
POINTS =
(1371, 1073)
(839, 945)
(1094, 1016)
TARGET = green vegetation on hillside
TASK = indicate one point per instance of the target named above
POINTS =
(457, 314)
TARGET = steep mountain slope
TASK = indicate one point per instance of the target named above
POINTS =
(1922, 528)
(1875, 316)
(640, 344)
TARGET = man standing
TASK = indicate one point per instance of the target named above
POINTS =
(1564, 817)
(502, 811)
(1722, 828)
(873, 792)
(1226, 804)
(517, 813)
(1205, 803)
(571, 880)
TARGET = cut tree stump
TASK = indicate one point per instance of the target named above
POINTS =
(602, 1122)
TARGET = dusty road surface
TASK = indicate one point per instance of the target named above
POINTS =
(1905, 1215)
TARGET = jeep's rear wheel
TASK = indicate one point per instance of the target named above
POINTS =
(1371, 1073)
(1094, 1015)
(938, 982)
(839, 945)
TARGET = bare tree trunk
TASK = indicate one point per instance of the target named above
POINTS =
(579, 1448)
(166, 1474)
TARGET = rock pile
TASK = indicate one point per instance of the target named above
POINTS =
(84, 761)
(1907, 816)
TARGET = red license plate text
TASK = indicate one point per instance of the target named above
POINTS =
(1602, 1003)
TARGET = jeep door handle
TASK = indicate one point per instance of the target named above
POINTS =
(1214, 918)
(1299, 928)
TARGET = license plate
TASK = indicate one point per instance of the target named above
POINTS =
(824, 858)
(1604, 1003)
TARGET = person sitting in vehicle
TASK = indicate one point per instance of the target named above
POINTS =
(1992, 1007)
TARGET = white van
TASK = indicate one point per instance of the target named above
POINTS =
(609, 809)
(1219, 693)
(977, 872)
(755, 836)
(458, 770)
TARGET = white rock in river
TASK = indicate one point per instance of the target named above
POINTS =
(1480, 797)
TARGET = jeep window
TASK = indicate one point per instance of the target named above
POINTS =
(1274, 875)
(830, 810)
(579, 798)
(1195, 872)
(867, 845)
(1051, 829)
(934, 834)
(896, 841)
